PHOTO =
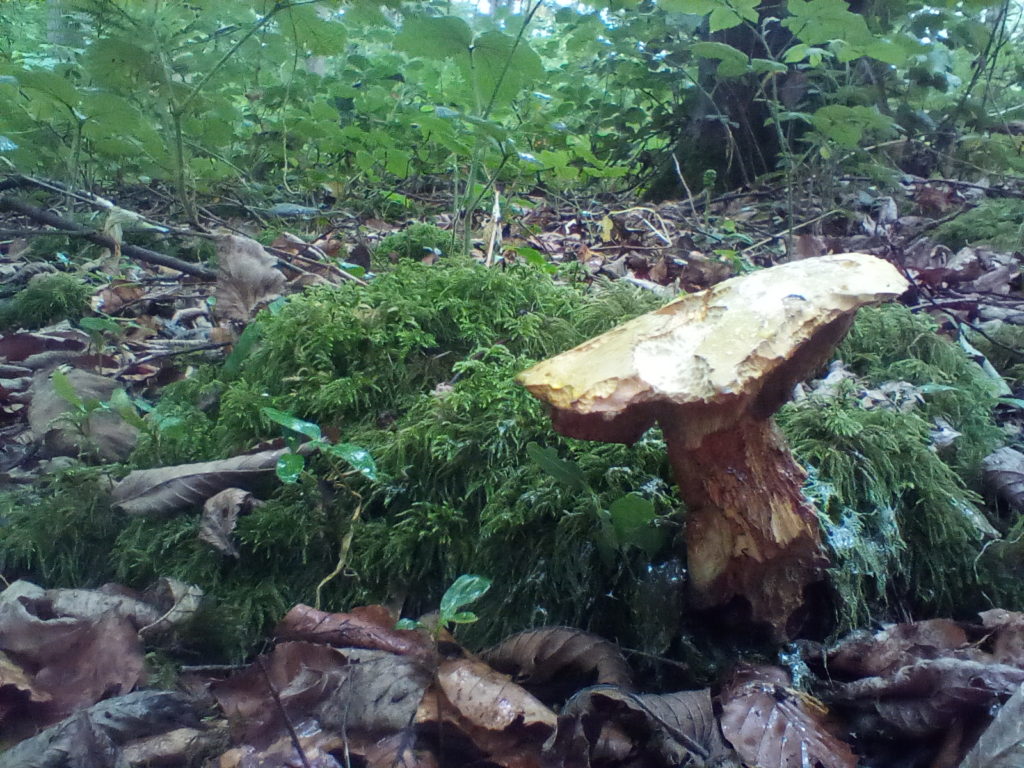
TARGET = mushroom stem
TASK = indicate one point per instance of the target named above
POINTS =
(750, 531)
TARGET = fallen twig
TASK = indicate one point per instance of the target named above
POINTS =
(139, 253)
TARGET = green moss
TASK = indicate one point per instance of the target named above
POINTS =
(59, 530)
(415, 242)
(891, 343)
(996, 223)
(46, 299)
(899, 515)
(418, 367)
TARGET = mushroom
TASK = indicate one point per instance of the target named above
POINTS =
(711, 368)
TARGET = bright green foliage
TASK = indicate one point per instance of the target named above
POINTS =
(416, 242)
(899, 519)
(59, 530)
(893, 344)
(46, 299)
(996, 223)
(418, 370)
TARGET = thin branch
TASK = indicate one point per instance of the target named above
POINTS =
(77, 230)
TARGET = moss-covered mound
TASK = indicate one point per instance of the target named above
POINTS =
(47, 299)
(418, 368)
(996, 223)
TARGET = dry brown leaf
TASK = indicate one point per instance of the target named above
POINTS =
(488, 699)
(370, 626)
(43, 350)
(92, 604)
(554, 662)
(770, 725)
(1004, 476)
(1007, 642)
(90, 738)
(355, 690)
(180, 602)
(166, 489)
(53, 421)
(220, 515)
(1002, 743)
(868, 655)
(247, 279)
(681, 725)
(74, 662)
(924, 698)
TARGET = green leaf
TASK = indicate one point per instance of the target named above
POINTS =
(408, 624)
(463, 617)
(53, 85)
(358, 457)
(62, 386)
(434, 37)
(319, 35)
(566, 472)
(100, 325)
(289, 467)
(633, 519)
(466, 589)
(286, 420)
(123, 405)
(500, 66)
(246, 343)
(732, 61)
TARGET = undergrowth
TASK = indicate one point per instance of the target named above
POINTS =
(901, 519)
(46, 299)
(418, 367)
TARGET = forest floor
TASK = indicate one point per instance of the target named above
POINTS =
(100, 320)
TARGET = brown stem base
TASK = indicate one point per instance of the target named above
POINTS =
(749, 530)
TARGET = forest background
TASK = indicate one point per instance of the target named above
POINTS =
(409, 141)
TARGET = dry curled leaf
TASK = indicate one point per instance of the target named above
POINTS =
(166, 489)
(369, 626)
(770, 725)
(247, 278)
(681, 726)
(554, 662)
(220, 514)
(927, 697)
(1004, 476)
(867, 655)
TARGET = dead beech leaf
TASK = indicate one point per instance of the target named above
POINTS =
(180, 602)
(358, 691)
(896, 646)
(296, 671)
(770, 725)
(924, 698)
(166, 489)
(683, 724)
(52, 420)
(247, 278)
(488, 699)
(91, 737)
(1008, 635)
(553, 662)
(1002, 743)
(370, 626)
(74, 662)
(220, 515)
(1003, 475)
(92, 604)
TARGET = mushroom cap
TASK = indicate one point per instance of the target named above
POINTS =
(715, 355)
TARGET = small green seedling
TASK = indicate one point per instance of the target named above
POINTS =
(466, 589)
(291, 464)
